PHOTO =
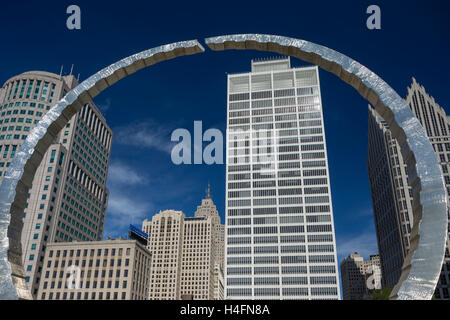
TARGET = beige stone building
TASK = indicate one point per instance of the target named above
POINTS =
(208, 209)
(185, 254)
(97, 270)
(68, 197)
(360, 277)
(165, 232)
(219, 283)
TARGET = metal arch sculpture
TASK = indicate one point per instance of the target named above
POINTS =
(423, 264)
(20, 174)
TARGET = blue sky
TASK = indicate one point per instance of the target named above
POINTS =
(146, 107)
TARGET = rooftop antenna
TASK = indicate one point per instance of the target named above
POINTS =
(208, 192)
(71, 69)
(78, 78)
(61, 71)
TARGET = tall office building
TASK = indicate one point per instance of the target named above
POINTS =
(391, 198)
(355, 275)
(280, 241)
(185, 259)
(68, 197)
(208, 209)
(114, 269)
(392, 208)
(165, 242)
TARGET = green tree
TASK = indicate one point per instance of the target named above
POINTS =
(381, 294)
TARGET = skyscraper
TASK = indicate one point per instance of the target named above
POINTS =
(186, 253)
(391, 198)
(280, 241)
(68, 197)
(208, 209)
(392, 208)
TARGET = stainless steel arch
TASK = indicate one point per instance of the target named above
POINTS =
(423, 264)
(20, 174)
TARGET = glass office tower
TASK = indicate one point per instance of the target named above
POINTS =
(280, 241)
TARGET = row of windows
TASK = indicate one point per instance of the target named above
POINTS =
(95, 124)
(266, 220)
(284, 280)
(284, 259)
(264, 211)
(85, 296)
(239, 136)
(266, 115)
(281, 165)
(283, 269)
(283, 249)
(272, 183)
(85, 252)
(285, 291)
(30, 89)
(282, 220)
(19, 104)
(264, 102)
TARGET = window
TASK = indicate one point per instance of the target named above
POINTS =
(52, 156)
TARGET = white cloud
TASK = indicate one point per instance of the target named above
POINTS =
(364, 243)
(124, 210)
(103, 107)
(121, 174)
(367, 212)
(146, 134)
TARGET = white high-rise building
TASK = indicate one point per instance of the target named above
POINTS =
(280, 241)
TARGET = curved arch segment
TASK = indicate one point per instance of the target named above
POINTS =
(20, 174)
(422, 266)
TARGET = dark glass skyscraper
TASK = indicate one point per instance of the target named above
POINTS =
(390, 192)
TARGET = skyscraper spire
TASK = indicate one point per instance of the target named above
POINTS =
(208, 192)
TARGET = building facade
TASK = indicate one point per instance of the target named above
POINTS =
(280, 241)
(185, 255)
(68, 197)
(96, 270)
(165, 242)
(356, 274)
(219, 283)
(391, 198)
(208, 209)
(393, 228)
